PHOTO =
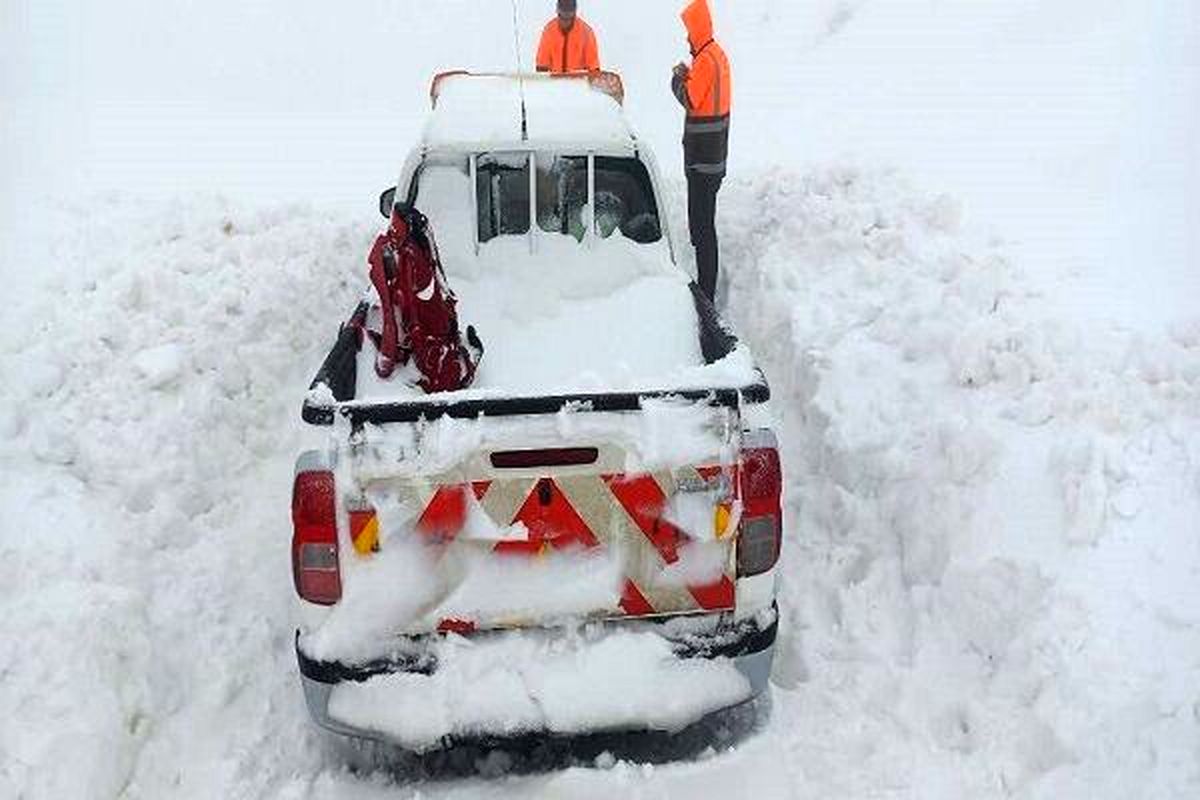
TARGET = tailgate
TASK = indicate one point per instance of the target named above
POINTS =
(527, 521)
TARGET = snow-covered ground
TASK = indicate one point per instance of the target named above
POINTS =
(936, 210)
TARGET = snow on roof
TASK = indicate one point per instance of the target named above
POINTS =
(475, 110)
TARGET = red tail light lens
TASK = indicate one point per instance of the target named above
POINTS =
(762, 480)
(314, 539)
(760, 536)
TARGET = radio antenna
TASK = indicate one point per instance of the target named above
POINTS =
(520, 76)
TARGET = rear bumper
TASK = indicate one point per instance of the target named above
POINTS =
(747, 645)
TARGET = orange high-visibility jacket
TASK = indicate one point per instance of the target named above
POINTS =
(573, 51)
(707, 94)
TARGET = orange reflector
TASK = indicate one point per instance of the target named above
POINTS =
(364, 531)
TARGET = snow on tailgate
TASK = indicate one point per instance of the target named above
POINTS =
(537, 682)
(460, 539)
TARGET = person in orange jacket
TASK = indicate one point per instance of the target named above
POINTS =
(705, 90)
(568, 43)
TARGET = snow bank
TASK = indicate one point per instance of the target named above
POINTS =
(990, 569)
(973, 558)
(991, 555)
(78, 659)
(150, 399)
(527, 683)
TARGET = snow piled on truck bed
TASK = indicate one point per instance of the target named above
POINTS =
(556, 315)
(573, 319)
(989, 579)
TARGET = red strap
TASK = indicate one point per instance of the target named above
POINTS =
(389, 345)
(423, 329)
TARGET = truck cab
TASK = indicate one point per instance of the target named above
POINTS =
(586, 538)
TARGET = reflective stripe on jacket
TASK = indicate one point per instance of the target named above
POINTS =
(573, 51)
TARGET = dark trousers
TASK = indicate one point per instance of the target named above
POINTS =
(702, 224)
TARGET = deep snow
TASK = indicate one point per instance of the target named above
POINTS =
(561, 685)
(994, 550)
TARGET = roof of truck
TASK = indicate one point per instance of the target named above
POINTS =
(483, 112)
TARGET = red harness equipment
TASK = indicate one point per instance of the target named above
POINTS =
(419, 317)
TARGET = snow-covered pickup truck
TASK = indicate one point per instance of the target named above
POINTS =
(586, 538)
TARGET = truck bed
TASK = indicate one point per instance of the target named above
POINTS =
(724, 375)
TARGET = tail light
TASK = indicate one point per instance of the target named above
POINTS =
(761, 533)
(314, 539)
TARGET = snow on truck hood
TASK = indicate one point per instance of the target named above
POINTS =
(609, 316)
(476, 109)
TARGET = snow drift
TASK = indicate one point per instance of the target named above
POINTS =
(990, 560)
(991, 570)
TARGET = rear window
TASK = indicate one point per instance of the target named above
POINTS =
(623, 202)
(502, 192)
(562, 194)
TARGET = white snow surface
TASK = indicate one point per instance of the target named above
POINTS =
(993, 552)
(557, 112)
(527, 682)
(665, 434)
(607, 316)
(622, 311)
(468, 583)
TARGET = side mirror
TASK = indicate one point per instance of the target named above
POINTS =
(386, 201)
